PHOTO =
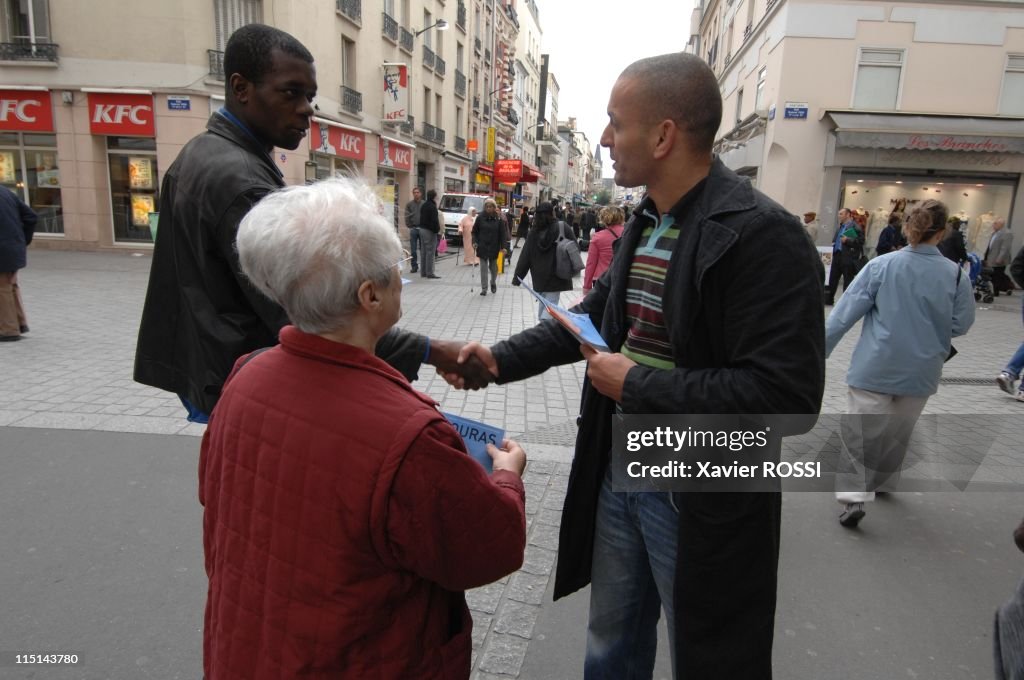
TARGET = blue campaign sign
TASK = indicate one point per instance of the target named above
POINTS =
(796, 110)
(179, 104)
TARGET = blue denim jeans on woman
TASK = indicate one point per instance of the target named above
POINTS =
(1017, 362)
(632, 580)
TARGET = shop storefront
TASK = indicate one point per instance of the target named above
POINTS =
(511, 177)
(455, 175)
(883, 164)
(28, 155)
(483, 178)
(394, 165)
(126, 120)
(336, 149)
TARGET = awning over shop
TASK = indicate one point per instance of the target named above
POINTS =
(531, 173)
(928, 133)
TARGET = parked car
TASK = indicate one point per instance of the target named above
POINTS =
(454, 207)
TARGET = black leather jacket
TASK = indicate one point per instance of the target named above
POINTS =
(201, 313)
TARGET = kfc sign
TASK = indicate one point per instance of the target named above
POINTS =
(25, 111)
(337, 141)
(393, 155)
(122, 115)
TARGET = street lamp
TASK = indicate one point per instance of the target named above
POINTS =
(503, 88)
(441, 25)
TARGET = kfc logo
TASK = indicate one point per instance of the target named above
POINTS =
(25, 111)
(337, 141)
(121, 114)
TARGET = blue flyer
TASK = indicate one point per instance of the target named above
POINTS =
(477, 436)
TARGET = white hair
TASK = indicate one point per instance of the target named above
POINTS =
(309, 248)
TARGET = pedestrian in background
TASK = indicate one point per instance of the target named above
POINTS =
(17, 226)
(953, 247)
(1011, 374)
(811, 225)
(430, 230)
(892, 238)
(412, 221)
(466, 232)
(847, 250)
(913, 302)
(490, 240)
(342, 517)
(538, 258)
(997, 256)
(599, 256)
(524, 227)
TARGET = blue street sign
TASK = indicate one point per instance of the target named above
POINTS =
(179, 104)
(796, 110)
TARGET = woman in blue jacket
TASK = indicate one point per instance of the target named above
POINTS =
(913, 302)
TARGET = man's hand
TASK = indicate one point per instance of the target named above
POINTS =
(607, 372)
(509, 457)
(468, 373)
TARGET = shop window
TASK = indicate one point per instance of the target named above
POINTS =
(134, 187)
(878, 79)
(1011, 103)
(231, 15)
(25, 21)
(29, 168)
(328, 167)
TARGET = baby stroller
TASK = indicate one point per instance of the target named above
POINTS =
(981, 278)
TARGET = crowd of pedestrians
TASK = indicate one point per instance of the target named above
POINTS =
(272, 313)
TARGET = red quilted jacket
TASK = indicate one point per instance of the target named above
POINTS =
(343, 521)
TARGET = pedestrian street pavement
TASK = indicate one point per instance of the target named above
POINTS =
(98, 514)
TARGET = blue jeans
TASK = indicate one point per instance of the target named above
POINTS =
(194, 415)
(632, 580)
(414, 247)
(1017, 362)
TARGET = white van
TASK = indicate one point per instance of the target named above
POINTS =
(456, 206)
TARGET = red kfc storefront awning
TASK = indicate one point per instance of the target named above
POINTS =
(121, 113)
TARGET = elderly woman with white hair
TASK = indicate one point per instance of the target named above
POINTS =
(343, 517)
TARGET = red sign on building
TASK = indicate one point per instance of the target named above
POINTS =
(121, 115)
(393, 155)
(337, 141)
(508, 170)
(25, 111)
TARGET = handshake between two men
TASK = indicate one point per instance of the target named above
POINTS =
(473, 366)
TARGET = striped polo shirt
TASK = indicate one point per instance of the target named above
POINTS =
(647, 342)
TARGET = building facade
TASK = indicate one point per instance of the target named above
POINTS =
(873, 105)
(89, 124)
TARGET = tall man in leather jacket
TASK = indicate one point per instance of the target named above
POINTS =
(694, 328)
(201, 313)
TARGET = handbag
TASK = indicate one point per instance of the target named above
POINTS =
(442, 245)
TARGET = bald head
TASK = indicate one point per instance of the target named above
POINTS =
(683, 88)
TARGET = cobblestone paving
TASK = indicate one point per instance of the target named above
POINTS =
(73, 371)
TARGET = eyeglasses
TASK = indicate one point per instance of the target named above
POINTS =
(405, 259)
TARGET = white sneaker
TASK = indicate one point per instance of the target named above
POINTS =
(1020, 394)
(1006, 382)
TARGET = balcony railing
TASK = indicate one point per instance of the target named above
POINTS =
(460, 17)
(487, 55)
(405, 41)
(433, 134)
(487, 110)
(477, 45)
(439, 66)
(460, 83)
(748, 30)
(23, 51)
(390, 29)
(428, 57)
(216, 64)
(353, 9)
(476, 102)
(460, 144)
(351, 100)
(409, 126)
(771, 3)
